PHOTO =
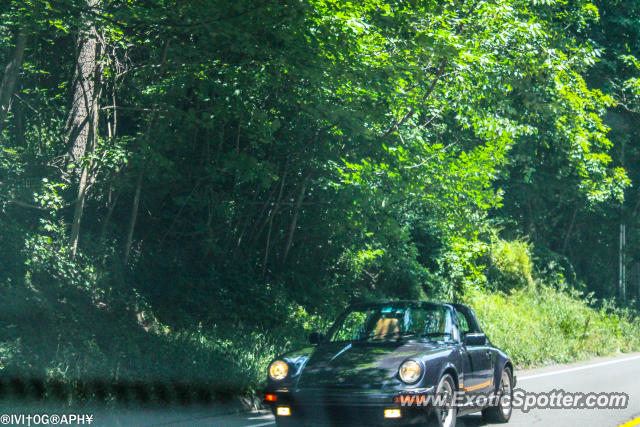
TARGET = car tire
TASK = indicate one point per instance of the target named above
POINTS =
(501, 413)
(444, 417)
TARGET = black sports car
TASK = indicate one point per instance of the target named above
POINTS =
(387, 363)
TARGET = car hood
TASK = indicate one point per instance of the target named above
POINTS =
(362, 365)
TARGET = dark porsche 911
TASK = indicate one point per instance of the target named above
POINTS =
(380, 362)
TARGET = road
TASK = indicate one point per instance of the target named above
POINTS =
(613, 374)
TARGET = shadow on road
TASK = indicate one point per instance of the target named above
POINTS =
(473, 420)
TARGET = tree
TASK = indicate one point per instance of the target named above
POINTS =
(7, 88)
(83, 115)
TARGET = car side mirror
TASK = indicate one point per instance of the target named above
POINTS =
(316, 338)
(475, 339)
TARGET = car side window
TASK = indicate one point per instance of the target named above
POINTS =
(462, 322)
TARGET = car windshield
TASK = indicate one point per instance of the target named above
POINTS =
(385, 322)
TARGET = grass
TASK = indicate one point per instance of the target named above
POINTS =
(539, 325)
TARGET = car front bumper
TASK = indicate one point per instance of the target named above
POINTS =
(346, 407)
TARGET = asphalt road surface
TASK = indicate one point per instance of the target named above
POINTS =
(618, 374)
(614, 374)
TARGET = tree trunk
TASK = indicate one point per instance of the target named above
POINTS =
(134, 214)
(83, 116)
(294, 220)
(273, 213)
(147, 140)
(84, 101)
(112, 205)
(11, 76)
(77, 213)
(82, 188)
(20, 125)
(569, 230)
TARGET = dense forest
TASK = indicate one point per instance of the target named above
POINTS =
(201, 183)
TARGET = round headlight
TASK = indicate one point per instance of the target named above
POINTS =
(410, 371)
(278, 370)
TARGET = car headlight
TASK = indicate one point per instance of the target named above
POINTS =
(410, 371)
(278, 370)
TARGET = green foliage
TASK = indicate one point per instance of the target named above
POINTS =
(509, 265)
(539, 325)
(259, 166)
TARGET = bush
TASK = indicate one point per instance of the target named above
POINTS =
(509, 264)
(538, 325)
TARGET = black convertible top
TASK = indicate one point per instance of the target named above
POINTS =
(472, 320)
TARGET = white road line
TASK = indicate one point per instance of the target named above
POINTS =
(579, 368)
(263, 424)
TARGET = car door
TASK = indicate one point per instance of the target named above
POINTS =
(476, 361)
(481, 365)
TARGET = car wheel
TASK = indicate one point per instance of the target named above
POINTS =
(501, 413)
(445, 416)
